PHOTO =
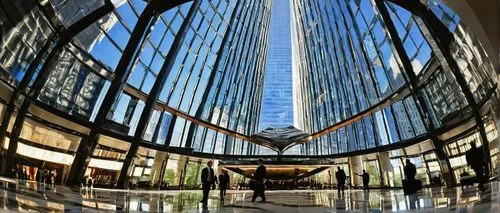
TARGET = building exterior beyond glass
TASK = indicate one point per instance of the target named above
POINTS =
(277, 102)
(121, 90)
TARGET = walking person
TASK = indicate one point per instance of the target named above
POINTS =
(475, 159)
(20, 173)
(341, 177)
(41, 172)
(26, 175)
(410, 184)
(258, 176)
(366, 180)
(48, 180)
(38, 177)
(207, 181)
(223, 183)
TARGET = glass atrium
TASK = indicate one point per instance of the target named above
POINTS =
(136, 94)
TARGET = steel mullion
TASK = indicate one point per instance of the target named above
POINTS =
(211, 78)
(413, 80)
(122, 72)
(42, 77)
(155, 92)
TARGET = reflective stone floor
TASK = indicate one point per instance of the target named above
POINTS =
(33, 197)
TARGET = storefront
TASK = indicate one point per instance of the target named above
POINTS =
(106, 162)
(44, 153)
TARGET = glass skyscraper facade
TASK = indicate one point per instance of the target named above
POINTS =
(147, 90)
(277, 102)
(349, 67)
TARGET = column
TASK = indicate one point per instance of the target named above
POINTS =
(356, 166)
(181, 169)
(385, 167)
(156, 169)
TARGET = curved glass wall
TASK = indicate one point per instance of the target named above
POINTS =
(348, 75)
(368, 75)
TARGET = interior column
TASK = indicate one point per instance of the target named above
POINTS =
(356, 167)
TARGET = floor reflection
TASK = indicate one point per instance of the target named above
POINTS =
(30, 196)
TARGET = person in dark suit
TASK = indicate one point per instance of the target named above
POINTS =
(341, 177)
(410, 170)
(223, 183)
(475, 159)
(410, 184)
(366, 180)
(207, 181)
(258, 176)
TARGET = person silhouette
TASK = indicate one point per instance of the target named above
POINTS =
(475, 159)
(259, 188)
(410, 184)
(341, 177)
(366, 180)
(207, 181)
(223, 183)
(410, 170)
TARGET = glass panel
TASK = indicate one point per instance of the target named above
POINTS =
(193, 173)
(473, 61)
(404, 123)
(164, 127)
(172, 172)
(71, 87)
(416, 46)
(152, 124)
(380, 128)
(396, 175)
(70, 11)
(372, 167)
(21, 38)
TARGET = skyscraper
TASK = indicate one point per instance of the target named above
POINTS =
(277, 103)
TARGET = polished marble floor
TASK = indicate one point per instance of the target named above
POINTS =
(33, 197)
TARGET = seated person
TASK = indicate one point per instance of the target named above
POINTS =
(466, 179)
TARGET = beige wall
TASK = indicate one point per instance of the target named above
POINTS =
(488, 13)
(483, 17)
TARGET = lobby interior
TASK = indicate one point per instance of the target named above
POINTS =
(118, 105)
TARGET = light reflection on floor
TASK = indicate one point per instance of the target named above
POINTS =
(41, 198)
